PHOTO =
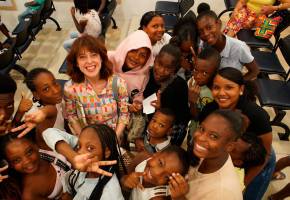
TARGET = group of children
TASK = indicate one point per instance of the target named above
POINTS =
(78, 156)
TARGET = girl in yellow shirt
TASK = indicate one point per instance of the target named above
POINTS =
(246, 13)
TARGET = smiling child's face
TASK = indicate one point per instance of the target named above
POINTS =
(23, 156)
(160, 167)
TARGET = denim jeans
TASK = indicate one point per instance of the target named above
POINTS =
(27, 12)
(68, 43)
(257, 188)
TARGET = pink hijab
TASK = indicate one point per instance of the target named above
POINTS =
(138, 77)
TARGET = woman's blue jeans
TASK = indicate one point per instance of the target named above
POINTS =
(257, 188)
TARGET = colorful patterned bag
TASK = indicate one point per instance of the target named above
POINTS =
(266, 26)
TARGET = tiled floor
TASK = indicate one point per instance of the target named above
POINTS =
(47, 51)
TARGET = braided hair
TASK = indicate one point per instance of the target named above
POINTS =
(108, 140)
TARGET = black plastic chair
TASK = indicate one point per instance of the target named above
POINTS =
(177, 9)
(47, 11)
(23, 36)
(276, 94)
(168, 7)
(61, 82)
(171, 20)
(36, 23)
(63, 67)
(268, 61)
(8, 60)
(230, 6)
(248, 35)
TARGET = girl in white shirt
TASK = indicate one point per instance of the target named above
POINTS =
(87, 21)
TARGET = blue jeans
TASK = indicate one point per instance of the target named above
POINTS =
(68, 43)
(27, 12)
(257, 188)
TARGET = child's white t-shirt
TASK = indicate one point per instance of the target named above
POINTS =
(94, 25)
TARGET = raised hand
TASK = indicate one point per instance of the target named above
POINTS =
(136, 106)
(193, 92)
(2, 169)
(133, 180)
(89, 162)
(30, 122)
(178, 186)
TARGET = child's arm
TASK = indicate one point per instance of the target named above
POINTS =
(140, 157)
(132, 180)
(31, 120)
(253, 70)
(79, 25)
(24, 106)
(64, 143)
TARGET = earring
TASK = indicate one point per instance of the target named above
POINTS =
(241, 93)
(35, 100)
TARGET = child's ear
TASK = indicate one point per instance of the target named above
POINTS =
(230, 147)
(107, 152)
(238, 163)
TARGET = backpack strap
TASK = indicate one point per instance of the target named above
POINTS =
(115, 91)
(115, 88)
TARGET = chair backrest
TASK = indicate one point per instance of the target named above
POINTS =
(6, 57)
(184, 6)
(111, 6)
(22, 31)
(35, 19)
(230, 4)
(47, 7)
(284, 46)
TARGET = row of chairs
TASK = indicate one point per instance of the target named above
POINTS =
(275, 93)
(174, 11)
(25, 32)
(272, 93)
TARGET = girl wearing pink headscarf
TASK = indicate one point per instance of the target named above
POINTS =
(131, 61)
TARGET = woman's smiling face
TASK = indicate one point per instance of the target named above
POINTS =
(89, 63)
(225, 92)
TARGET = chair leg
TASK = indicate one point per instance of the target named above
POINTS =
(114, 23)
(277, 121)
(20, 69)
(56, 23)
